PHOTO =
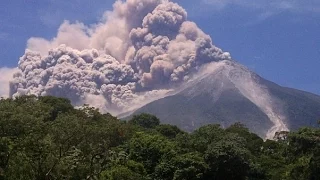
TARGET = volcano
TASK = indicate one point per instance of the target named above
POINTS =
(147, 56)
(227, 92)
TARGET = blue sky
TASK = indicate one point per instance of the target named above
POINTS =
(278, 39)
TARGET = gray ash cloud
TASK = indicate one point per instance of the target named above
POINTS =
(137, 53)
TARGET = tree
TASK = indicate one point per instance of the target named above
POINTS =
(150, 150)
(190, 166)
(315, 165)
(145, 120)
(253, 142)
(46, 138)
(228, 158)
(58, 105)
(169, 131)
(120, 173)
(303, 153)
(304, 141)
(206, 135)
(121, 168)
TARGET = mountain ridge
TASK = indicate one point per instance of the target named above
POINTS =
(228, 92)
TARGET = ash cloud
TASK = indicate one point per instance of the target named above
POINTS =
(6, 75)
(137, 53)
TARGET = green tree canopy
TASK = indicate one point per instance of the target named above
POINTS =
(47, 138)
(145, 120)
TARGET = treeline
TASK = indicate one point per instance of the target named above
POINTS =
(47, 138)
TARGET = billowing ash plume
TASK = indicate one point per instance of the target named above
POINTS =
(139, 51)
(6, 75)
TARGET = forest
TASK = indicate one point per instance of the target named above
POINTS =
(46, 138)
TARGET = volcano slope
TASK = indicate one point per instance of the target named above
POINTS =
(227, 92)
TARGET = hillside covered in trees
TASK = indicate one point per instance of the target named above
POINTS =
(47, 138)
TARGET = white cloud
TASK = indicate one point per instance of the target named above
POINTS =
(74, 35)
(6, 75)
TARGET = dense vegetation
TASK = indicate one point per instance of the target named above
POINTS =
(47, 138)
